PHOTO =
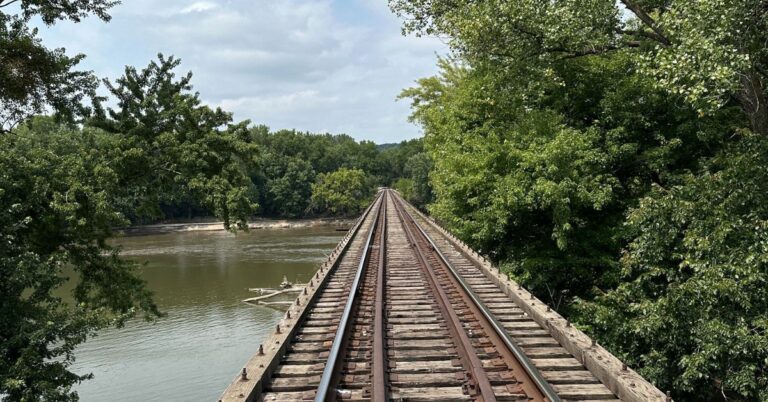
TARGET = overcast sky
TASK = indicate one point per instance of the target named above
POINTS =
(316, 65)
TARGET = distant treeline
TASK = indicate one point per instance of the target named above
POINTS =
(301, 174)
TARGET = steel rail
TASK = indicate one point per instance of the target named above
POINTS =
(530, 369)
(465, 349)
(379, 371)
(341, 332)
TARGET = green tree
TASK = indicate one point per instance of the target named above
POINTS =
(63, 189)
(546, 189)
(710, 52)
(405, 187)
(392, 160)
(417, 168)
(57, 192)
(340, 192)
(33, 77)
(175, 147)
(692, 310)
(288, 186)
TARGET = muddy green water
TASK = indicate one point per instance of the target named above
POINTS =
(199, 280)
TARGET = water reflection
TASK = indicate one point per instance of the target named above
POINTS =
(199, 280)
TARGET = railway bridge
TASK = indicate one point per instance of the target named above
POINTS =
(404, 311)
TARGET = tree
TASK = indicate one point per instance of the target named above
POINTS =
(289, 186)
(57, 191)
(392, 160)
(176, 148)
(405, 187)
(417, 168)
(340, 192)
(692, 309)
(709, 52)
(32, 76)
(63, 189)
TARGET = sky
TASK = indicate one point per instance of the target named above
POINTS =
(313, 65)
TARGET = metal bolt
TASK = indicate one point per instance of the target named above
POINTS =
(623, 366)
(669, 396)
(278, 328)
(531, 296)
(261, 350)
(568, 323)
(548, 309)
(288, 314)
(593, 342)
(519, 286)
(244, 375)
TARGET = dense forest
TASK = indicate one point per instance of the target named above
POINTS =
(74, 165)
(613, 156)
(297, 174)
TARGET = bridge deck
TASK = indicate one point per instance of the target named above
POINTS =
(430, 320)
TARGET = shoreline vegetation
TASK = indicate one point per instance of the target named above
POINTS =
(205, 225)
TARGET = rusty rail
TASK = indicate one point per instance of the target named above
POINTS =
(325, 390)
(464, 345)
(379, 372)
(497, 327)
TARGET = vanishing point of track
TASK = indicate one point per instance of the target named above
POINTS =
(402, 312)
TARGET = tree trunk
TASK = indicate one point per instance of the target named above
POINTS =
(752, 99)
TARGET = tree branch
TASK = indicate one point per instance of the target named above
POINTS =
(3, 4)
(648, 21)
(572, 54)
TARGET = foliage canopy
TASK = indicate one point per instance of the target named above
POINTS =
(611, 157)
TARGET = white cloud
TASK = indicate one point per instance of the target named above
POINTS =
(198, 7)
(309, 64)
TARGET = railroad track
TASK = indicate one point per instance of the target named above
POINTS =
(404, 312)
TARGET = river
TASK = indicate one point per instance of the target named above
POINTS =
(199, 280)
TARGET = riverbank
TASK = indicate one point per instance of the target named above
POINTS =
(260, 223)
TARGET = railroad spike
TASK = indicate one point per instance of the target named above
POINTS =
(261, 350)
(278, 329)
(244, 375)
(288, 314)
